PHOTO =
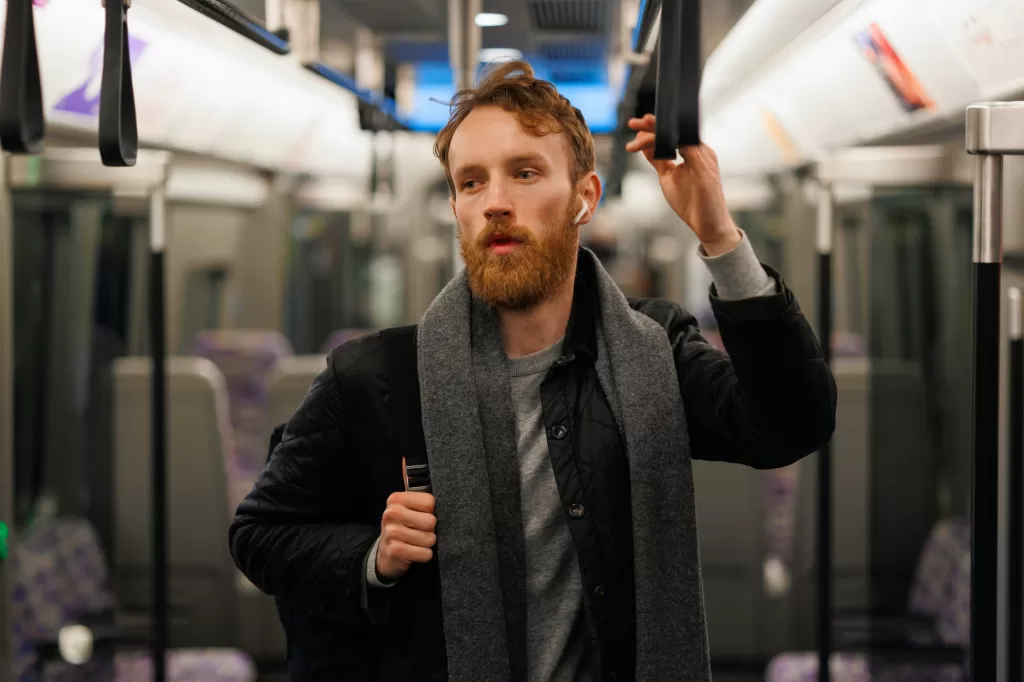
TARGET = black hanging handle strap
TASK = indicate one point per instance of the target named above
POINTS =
(678, 84)
(406, 411)
(119, 132)
(22, 124)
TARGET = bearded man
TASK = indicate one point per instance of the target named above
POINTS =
(547, 531)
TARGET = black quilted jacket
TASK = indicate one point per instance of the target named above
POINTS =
(304, 531)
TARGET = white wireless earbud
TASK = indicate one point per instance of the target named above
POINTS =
(583, 212)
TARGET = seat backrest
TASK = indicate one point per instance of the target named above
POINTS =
(340, 336)
(246, 358)
(939, 566)
(35, 608)
(202, 494)
(84, 565)
(59, 573)
(882, 456)
(289, 384)
(954, 617)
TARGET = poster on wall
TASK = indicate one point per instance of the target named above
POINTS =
(877, 49)
(988, 38)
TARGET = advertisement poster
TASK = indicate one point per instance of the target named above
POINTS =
(901, 80)
(988, 38)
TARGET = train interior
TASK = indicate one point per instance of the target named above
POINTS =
(290, 222)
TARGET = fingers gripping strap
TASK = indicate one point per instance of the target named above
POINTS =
(22, 124)
(119, 134)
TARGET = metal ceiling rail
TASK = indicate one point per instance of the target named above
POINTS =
(226, 14)
(377, 112)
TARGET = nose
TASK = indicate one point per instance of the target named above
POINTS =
(498, 205)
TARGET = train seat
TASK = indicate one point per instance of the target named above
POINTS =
(202, 573)
(289, 384)
(60, 578)
(340, 336)
(936, 630)
(246, 357)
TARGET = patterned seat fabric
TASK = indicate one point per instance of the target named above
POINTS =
(941, 588)
(340, 336)
(60, 575)
(247, 358)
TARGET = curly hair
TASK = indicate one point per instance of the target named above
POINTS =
(541, 110)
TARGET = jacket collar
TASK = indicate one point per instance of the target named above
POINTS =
(581, 333)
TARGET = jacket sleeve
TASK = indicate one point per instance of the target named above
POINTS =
(293, 536)
(768, 402)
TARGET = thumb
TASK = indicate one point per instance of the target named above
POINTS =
(661, 166)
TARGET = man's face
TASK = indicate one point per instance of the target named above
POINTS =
(515, 204)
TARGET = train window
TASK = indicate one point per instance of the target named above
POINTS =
(917, 279)
(341, 275)
(75, 312)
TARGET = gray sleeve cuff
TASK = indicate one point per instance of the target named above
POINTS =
(738, 274)
(371, 569)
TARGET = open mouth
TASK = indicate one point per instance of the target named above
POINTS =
(500, 241)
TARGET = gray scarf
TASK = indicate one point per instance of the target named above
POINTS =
(475, 477)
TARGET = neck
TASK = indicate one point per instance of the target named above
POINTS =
(527, 331)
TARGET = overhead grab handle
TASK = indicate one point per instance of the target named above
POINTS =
(22, 124)
(678, 81)
(119, 132)
(226, 14)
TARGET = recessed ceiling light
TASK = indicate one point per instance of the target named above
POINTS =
(487, 19)
(493, 54)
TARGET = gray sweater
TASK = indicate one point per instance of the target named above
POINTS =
(558, 646)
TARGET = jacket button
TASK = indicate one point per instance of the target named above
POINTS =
(599, 591)
(558, 432)
(576, 510)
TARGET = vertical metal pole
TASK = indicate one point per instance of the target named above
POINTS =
(6, 423)
(1015, 617)
(988, 215)
(158, 340)
(463, 41)
(824, 544)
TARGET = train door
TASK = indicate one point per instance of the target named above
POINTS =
(903, 359)
(74, 244)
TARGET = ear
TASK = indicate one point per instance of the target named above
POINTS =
(589, 189)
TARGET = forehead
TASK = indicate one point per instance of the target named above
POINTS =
(491, 135)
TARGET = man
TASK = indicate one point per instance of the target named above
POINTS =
(559, 421)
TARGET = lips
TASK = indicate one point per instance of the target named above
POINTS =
(503, 240)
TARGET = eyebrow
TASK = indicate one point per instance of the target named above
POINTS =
(517, 160)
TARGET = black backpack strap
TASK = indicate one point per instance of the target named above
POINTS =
(406, 415)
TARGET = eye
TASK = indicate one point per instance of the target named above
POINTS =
(525, 174)
(468, 184)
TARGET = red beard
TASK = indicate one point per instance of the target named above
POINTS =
(532, 272)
